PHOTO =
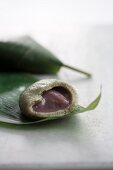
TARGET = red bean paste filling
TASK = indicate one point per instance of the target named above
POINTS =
(58, 98)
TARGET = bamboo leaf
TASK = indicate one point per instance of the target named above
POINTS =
(26, 55)
(11, 86)
(91, 106)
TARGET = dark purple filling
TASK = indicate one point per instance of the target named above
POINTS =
(55, 99)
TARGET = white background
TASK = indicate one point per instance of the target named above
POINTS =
(80, 33)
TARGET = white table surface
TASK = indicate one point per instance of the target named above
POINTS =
(80, 33)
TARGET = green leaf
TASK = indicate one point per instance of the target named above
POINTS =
(11, 86)
(91, 106)
(26, 55)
